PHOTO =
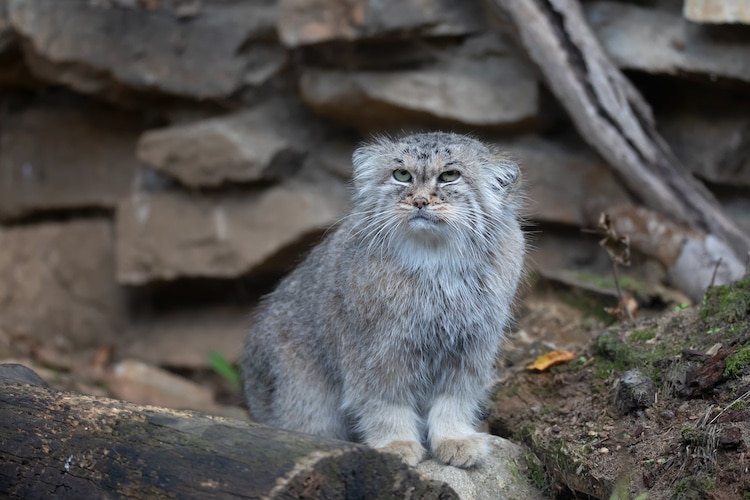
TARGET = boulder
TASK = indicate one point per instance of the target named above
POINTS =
(57, 157)
(564, 184)
(208, 51)
(481, 83)
(716, 11)
(713, 145)
(663, 42)
(7, 36)
(306, 22)
(58, 283)
(506, 473)
(173, 234)
(264, 143)
(178, 338)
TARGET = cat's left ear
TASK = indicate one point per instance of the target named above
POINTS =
(506, 172)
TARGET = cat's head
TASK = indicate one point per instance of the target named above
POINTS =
(434, 187)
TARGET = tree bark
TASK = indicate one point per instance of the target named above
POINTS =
(613, 118)
(63, 445)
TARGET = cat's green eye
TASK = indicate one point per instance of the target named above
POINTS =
(449, 176)
(402, 175)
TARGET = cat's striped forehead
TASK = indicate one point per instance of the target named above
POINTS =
(432, 152)
(424, 147)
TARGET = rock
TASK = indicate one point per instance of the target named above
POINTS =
(14, 72)
(505, 474)
(140, 383)
(564, 184)
(713, 145)
(305, 22)
(70, 156)
(717, 11)
(178, 338)
(103, 47)
(17, 373)
(480, 84)
(737, 205)
(167, 235)
(268, 142)
(662, 42)
(633, 391)
(7, 36)
(58, 283)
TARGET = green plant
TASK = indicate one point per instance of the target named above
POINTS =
(736, 362)
(224, 368)
(642, 335)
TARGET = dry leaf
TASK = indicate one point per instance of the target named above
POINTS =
(551, 359)
(626, 308)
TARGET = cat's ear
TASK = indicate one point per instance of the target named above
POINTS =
(506, 172)
(364, 168)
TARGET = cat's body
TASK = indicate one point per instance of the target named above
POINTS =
(388, 331)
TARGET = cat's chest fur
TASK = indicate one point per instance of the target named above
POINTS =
(444, 295)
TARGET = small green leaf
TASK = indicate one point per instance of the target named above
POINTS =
(224, 368)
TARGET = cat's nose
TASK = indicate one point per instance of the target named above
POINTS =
(420, 201)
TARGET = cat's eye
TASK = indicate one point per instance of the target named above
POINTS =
(449, 176)
(402, 175)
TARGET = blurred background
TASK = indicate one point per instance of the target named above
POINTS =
(164, 162)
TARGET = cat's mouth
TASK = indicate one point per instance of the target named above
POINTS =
(421, 218)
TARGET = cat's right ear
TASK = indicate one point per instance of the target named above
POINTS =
(364, 161)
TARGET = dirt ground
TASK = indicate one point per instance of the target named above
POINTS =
(678, 428)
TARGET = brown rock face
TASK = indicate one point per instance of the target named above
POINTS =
(207, 52)
(657, 41)
(305, 22)
(267, 142)
(717, 11)
(57, 282)
(175, 234)
(63, 157)
(480, 83)
(587, 186)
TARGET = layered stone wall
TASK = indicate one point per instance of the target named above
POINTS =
(163, 161)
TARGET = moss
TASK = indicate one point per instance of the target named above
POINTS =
(642, 335)
(536, 473)
(616, 356)
(693, 437)
(739, 404)
(736, 362)
(727, 304)
(610, 345)
(608, 281)
(590, 304)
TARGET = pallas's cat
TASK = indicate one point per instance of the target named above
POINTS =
(387, 332)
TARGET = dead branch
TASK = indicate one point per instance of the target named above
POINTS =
(612, 116)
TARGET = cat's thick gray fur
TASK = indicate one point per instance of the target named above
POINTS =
(388, 331)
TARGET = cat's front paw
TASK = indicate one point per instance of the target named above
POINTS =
(466, 451)
(410, 452)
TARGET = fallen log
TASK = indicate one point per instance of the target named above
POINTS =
(616, 121)
(65, 445)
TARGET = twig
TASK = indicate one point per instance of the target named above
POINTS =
(729, 406)
(716, 269)
(623, 304)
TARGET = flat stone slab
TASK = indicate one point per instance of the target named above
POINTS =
(173, 234)
(58, 283)
(65, 157)
(663, 42)
(207, 51)
(481, 83)
(306, 22)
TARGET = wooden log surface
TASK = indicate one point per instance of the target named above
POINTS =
(57, 444)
